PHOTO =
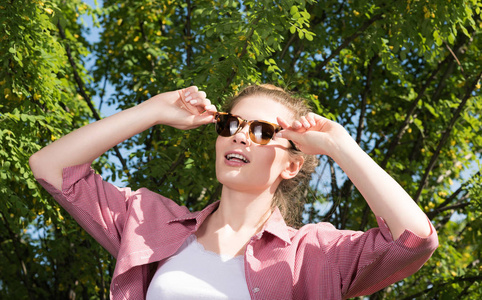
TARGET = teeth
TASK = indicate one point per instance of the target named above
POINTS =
(238, 156)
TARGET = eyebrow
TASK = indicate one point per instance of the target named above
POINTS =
(254, 119)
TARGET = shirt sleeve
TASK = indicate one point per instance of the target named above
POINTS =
(369, 261)
(98, 206)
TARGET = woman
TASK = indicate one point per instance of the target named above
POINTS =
(239, 247)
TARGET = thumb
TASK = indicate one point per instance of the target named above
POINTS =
(204, 118)
(295, 137)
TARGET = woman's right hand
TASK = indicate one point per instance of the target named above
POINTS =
(182, 109)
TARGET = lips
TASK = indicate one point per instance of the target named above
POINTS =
(236, 158)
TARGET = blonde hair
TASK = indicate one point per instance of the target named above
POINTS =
(290, 194)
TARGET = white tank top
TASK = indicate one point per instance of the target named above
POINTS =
(195, 273)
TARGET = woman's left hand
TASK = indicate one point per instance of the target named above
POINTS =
(313, 134)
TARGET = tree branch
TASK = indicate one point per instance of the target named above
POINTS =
(335, 192)
(364, 96)
(242, 54)
(441, 207)
(288, 44)
(83, 93)
(24, 273)
(188, 34)
(360, 127)
(455, 206)
(348, 40)
(468, 94)
(470, 279)
(442, 82)
(401, 131)
(403, 127)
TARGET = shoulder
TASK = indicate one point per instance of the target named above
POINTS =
(152, 203)
(323, 229)
(322, 234)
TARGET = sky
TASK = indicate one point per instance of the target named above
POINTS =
(94, 37)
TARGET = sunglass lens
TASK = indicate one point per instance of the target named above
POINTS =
(261, 133)
(227, 125)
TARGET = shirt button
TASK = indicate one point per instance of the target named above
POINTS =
(255, 290)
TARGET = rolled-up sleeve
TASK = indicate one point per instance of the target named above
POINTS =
(369, 261)
(98, 206)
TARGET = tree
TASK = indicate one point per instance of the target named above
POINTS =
(40, 44)
(402, 76)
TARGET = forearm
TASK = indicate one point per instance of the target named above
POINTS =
(386, 198)
(315, 134)
(89, 142)
(86, 144)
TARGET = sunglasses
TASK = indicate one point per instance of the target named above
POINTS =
(260, 132)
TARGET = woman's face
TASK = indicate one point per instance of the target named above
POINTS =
(247, 166)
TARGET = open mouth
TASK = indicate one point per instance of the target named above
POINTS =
(237, 157)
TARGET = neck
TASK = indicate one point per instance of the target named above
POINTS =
(242, 210)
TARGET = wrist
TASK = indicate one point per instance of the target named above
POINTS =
(340, 144)
(155, 110)
(146, 113)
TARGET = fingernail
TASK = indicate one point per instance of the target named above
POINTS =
(188, 98)
(279, 134)
(193, 101)
(187, 94)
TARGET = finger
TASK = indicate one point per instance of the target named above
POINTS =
(195, 101)
(188, 91)
(290, 135)
(199, 100)
(204, 105)
(321, 122)
(204, 118)
(283, 123)
(194, 98)
(205, 102)
(319, 118)
(211, 108)
(305, 122)
(311, 118)
(297, 124)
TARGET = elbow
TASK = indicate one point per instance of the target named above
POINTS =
(45, 169)
(425, 231)
(431, 240)
(435, 241)
(34, 162)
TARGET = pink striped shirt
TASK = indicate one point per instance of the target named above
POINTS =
(317, 261)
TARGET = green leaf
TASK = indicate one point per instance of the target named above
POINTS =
(301, 34)
(437, 38)
(309, 36)
(293, 10)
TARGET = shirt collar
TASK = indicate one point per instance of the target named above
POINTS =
(198, 216)
(275, 224)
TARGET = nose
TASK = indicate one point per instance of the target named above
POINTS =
(242, 136)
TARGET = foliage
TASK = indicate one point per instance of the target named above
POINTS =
(402, 76)
(40, 246)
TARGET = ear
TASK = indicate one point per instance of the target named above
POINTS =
(293, 167)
